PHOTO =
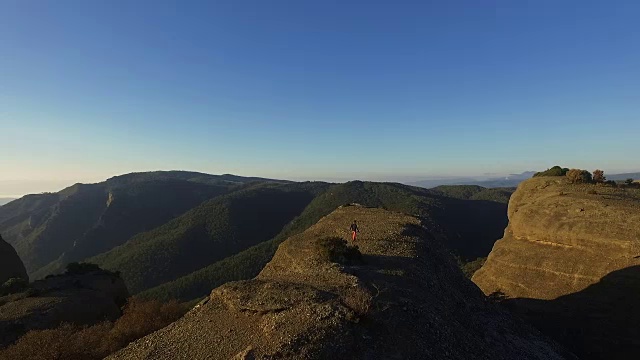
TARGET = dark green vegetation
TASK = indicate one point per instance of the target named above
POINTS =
(580, 176)
(469, 268)
(52, 229)
(337, 250)
(210, 232)
(468, 227)
(475, 192)
(554, 171)
(13, 286)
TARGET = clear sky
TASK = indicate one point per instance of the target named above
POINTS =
(315, 89)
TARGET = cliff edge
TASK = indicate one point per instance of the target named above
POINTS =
(569, 261)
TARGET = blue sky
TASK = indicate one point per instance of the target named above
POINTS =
(315, 89)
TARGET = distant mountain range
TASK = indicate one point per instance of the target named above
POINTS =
(511, 180)
(51, 229)
(624, 176)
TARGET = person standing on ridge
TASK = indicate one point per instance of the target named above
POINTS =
(354, 230)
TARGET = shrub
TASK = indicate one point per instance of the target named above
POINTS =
(141, 318)
(598, 176)
(336, 250)
(577, 176)
(75, 342)
(611, 183)
(358, 299)
(554, 171)
(13, 285)
(629, 181)
(497, 296)
(470, 268)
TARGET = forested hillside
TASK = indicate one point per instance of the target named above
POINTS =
(444, 215)
(208, 233)
(49, 230)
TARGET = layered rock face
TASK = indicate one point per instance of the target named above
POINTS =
(569, 261)
(10, 264)
(318, 299)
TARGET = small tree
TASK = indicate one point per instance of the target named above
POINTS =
(598, 176)
(629, 181)
(577, 176)
(554, 171)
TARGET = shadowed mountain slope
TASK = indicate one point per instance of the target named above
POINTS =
(50, 230)
(207, 233)
(469, 228)
(571, 250)
(475, 192)
(317, 299)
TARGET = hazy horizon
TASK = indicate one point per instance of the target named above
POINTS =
(314, 90)
(19, 188)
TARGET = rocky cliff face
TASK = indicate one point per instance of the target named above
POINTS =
(10, 264)
(318, 299)
(569, 262)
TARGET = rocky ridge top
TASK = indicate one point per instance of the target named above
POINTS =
(317, 299)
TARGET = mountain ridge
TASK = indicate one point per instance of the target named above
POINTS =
(50, 229)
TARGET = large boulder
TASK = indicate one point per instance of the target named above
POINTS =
(81, 298)
(10, 264)
(570, 262)
(400, 297)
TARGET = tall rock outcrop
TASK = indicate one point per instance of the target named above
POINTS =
(82, 298)
(570, 262)
(318, 299)
(10, 264)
